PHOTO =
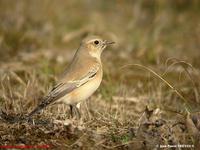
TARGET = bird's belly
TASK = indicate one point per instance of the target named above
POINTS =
(87, 89)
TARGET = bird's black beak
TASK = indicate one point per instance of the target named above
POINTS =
(108, 42)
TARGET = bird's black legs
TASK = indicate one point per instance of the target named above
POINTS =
(71, 111)
(74, 110)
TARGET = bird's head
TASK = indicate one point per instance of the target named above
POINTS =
(95, 45)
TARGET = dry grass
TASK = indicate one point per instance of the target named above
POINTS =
(135, 107)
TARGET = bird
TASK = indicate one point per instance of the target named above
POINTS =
(81, 79)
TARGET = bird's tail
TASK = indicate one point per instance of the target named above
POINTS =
(45, 102)
(36, 110)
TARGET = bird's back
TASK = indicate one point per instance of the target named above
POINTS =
(79, 67)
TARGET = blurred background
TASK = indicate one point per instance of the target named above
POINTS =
(144, 30)
(39, 38)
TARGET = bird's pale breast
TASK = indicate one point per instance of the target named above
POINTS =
(85, 91)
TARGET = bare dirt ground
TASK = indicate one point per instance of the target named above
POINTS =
(150, 94)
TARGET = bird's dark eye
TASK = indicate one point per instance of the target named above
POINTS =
(96, 42)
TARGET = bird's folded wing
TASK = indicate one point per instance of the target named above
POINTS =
(63, 89)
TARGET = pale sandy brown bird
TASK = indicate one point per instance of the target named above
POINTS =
(81, 79)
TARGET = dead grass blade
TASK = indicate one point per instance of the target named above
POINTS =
(185, 66)
(187, 107)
